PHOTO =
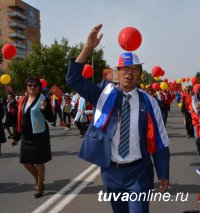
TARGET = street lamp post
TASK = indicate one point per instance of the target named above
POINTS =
(92, 59)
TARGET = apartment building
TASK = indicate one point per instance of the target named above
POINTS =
(19, 25)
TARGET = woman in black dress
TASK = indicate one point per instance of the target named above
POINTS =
(11, 115)
(33, 111)
(2, 133)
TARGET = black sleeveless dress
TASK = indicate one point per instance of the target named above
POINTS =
(2, 133)
(35, 148)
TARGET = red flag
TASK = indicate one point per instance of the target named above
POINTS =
(55, 90)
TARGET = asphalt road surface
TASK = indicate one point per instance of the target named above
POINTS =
(72, 185)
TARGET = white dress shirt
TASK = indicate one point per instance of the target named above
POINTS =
(134, 146)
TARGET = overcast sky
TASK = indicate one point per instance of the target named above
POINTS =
(170, 29)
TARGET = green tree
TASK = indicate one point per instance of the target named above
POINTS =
(98, 63)
(198, 76)
(51, 63)
(95, 59)
(44, 62)
(147, 78)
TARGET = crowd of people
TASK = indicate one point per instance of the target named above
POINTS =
(113, 141)
(70, 108)
(189, 100)
(74, 109)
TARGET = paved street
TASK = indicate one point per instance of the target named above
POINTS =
(72, 185)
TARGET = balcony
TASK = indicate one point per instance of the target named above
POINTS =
(17, 25)
(17, 35)
(16, 14)
(19, 45)
(18, 7)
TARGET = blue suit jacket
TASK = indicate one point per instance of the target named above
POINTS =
(96, 146)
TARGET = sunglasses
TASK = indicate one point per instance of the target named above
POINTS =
(33, 85)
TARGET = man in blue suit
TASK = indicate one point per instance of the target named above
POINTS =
(126, 130)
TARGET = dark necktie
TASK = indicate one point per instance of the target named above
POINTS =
(123, 148)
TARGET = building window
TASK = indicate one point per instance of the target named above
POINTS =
(19, 42)
(31, 15)
(21, 51)
(19, 31)
(0, 32)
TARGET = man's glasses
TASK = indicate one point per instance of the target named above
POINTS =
(132, 69)
(33, 85)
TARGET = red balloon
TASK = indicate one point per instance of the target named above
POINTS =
(88, 71)
(8, 51)
(183, 79)
(165, 80)
(156, 71)
(194, 80)
(43, 82)
(155, 86)
(187, 79)
(162, 73)
(129, 38)
(196, 88)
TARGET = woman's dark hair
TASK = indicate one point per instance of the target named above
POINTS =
(33, 79)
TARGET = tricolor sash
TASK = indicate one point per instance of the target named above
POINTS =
(157, 138)
(105, 105)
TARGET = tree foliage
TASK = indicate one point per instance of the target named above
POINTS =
(198, 76)
(147, 78)
(43, 62)
(51, 63)
(98, 63)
